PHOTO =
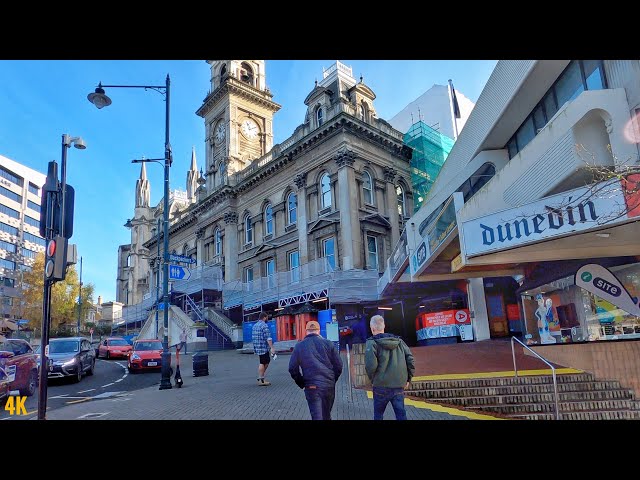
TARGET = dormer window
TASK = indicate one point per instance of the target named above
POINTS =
(319, 116)
(362, 112)
(223, 73)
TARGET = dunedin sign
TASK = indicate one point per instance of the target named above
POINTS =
(569, 212)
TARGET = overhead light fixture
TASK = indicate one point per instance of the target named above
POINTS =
(385, 308)
(319, 300)
(603, 235)
(421, 306)
(278, 309)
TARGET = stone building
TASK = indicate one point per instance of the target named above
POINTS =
(312, 219)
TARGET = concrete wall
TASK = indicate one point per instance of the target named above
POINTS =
(610, 360)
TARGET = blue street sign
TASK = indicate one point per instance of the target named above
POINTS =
(178, 272)
(173, 257)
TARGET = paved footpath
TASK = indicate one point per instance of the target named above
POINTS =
(230, 392)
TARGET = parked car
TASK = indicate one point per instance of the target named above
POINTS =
(4, 387)
(19, 365)
(114, 347)
(146, 355)
(95, 344)
(36, 351)
(70, 357)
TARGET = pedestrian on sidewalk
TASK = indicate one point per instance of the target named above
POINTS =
(321, 367)
(262, 346)
(390, 367)
(183, 341)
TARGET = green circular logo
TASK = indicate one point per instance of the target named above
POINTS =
(586, 276)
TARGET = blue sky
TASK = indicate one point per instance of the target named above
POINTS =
(41, 100)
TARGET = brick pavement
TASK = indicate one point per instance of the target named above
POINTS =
(230, 392)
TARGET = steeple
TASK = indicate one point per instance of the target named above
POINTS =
(192, 177)
(143, 188)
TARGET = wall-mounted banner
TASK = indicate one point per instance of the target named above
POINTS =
(577, 210)
(602, 282)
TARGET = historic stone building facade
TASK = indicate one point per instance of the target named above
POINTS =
(282, 222)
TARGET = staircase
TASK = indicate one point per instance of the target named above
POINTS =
(217, 338)
(581, 397)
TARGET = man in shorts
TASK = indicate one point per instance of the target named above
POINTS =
(262, 346)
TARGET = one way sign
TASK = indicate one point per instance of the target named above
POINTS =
(177, 272)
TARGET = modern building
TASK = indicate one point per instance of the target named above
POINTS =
(435, 108)
(307, 224)
(531, 227)
(20, 240)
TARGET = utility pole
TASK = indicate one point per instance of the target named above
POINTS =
(80, 298)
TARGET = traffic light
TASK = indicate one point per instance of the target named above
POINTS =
(55, 266)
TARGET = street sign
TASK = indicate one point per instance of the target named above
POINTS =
(178, 272)
(173, 257)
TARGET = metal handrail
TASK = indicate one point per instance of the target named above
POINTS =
(553, 371)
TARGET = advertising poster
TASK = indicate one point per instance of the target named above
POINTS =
(447, 323)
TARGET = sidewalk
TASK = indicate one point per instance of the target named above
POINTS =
(230, 392)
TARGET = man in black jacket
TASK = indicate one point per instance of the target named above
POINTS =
(321, 366)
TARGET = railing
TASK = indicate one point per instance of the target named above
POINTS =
(191, 306)
(553, 371)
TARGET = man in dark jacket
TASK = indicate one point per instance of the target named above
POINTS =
(321, 366)
(389, 366)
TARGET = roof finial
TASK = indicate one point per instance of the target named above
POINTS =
(316, 82)
(361, 78)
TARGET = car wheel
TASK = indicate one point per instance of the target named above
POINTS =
(78, 376)
(32, 384)
(93, 366)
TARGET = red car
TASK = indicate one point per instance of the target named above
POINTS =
(19, 367)
(114, 347)
(146, 355)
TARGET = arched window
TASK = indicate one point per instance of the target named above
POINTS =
(129, 260)
(268, 220)
(248, 229)
(222, 168)
(292, 207)
(367, 188)
(319, 116)
(218, 241)
(325, 189)
(362, 113)
(246, 73)
(223, 73)
(401, 205)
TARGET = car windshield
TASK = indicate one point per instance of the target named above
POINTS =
(118, 343)
(5, 347)
(64, 346)
(148, 346)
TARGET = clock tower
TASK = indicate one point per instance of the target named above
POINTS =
(238, 115)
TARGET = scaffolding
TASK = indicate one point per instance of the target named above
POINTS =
(430, 150)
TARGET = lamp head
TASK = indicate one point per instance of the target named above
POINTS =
(78, 142)
(128, 224)
(99, 98)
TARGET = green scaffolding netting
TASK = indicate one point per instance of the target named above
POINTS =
(430, 150)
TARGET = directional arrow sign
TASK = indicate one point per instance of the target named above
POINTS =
(177, 272)
(173, 257)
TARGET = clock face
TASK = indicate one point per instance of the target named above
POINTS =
(250, 129)
(220, 132)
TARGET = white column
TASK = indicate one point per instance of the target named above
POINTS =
(231, 246)
(346, 183)
(478, 306)
(303, 248)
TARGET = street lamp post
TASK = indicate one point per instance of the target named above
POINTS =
(80, 298)
(52, 228)
(100, 100)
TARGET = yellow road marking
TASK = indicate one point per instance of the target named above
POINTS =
(508, 373)
(81, 400)
(440, 408)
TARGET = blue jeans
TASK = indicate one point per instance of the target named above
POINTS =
(384, 395)
(320, 400)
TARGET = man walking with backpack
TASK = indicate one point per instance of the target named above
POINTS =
(389, 365)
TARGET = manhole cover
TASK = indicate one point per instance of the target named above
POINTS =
(93, 415)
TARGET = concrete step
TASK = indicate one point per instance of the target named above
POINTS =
(530, 389)
(549, 407)
(599, 415)
(500, 381)
(527, 399)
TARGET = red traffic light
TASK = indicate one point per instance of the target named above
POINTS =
(51, 248)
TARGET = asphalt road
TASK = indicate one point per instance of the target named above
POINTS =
(110, 379)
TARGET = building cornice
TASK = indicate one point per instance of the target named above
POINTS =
(234, 86)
